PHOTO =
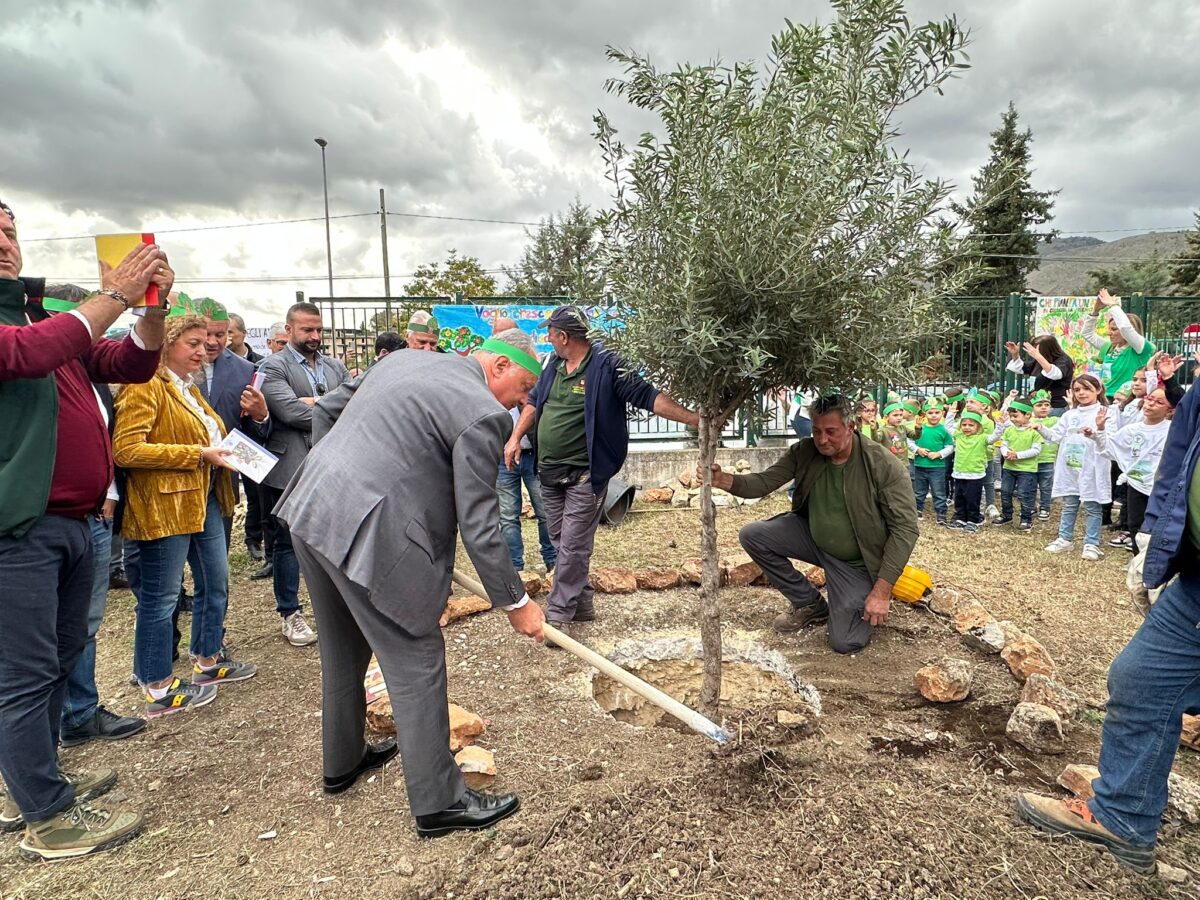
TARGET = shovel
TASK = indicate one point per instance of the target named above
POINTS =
(665, 702)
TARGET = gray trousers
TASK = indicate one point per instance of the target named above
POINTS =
(572, 517)
(773, 543)
(414, 669)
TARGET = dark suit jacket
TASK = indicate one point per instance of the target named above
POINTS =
(231, 375)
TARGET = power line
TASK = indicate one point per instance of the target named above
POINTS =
(88, 237)
(260, 279)
(464, 219)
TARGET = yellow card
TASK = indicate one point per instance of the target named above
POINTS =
(113, 248)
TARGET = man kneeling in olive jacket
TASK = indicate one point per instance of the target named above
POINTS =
(853, 514)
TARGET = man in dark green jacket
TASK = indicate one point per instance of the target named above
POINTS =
(853, 514)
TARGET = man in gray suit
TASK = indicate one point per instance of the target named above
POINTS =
(294, 379)
(376, 541)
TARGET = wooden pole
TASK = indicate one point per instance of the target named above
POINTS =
(663, 701)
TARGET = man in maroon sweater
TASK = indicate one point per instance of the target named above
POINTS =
(57, 467)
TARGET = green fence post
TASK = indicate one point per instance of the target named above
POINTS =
(1139, 307)
(1012, 328)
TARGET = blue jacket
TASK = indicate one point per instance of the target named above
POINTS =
(610, 385)
(1166, 512)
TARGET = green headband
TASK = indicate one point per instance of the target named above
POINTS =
(1021, 405)
(911, 407)
(992, 397)
(1126, 388)
(430, 326)
(935, 405)
(973, 416)
(891, 408)
(516, 354)
(1041, 397)
(55, 304)
(954, 398)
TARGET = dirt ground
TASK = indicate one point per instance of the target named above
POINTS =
(232, 791)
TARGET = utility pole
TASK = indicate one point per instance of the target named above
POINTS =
(387, 277)
(322, 143)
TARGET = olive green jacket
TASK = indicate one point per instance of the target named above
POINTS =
(879, 499)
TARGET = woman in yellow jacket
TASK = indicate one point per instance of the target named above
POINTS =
(178, 488)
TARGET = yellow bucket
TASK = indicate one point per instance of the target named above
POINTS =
(913, 585)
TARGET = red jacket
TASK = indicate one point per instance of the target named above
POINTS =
(83, 465)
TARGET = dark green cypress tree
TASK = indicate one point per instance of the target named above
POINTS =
(1185, 268)
(1005, 211)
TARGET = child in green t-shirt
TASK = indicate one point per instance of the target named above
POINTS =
(929, 462)
(1020, 447)
(1045, 460)
(970, 467)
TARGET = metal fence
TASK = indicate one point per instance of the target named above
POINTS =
(973, 355)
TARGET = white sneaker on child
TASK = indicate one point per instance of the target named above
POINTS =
(1058, 545)
(1092, 553)
(992, 512)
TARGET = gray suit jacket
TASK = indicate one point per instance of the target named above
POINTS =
(291, 433)
(410, 463)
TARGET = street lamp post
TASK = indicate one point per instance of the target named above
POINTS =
(322, 143)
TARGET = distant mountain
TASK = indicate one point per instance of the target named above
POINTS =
(1067, 261)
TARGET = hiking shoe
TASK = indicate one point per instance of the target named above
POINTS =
(103, 726)
(1074, 818)
(1058, 545)
(801, 617)
(87, 786)
(296, 631)
(179, 697)
(223, 671)
(78, 830)
(1092, 553)
(1043, 514)
(585, 612)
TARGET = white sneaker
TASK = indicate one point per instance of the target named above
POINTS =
(1058, 545)
(297, 632)
(1092, 553)
(992, 512)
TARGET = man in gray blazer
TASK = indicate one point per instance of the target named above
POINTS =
(294, 379)
(376, 541)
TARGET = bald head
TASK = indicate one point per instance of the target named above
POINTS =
(502, 323)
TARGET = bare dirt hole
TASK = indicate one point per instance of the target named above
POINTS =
(753, 677)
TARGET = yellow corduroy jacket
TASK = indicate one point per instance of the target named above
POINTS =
(158, 438)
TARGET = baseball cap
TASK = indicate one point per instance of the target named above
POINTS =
(567, 318)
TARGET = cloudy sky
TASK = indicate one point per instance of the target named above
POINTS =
(168, 115)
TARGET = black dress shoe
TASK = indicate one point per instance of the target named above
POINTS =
(254, 548)
(374, 757)
(474, 812)
(265, 572)
(102, 726)
(118, 581)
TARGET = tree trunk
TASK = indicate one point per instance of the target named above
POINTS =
(710, 580)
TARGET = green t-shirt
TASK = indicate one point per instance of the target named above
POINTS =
(970, 453)
(1118, 368)
(1193, 513)
(828, 519)
(1049, 451)
(562, 435)
(934, 438)
(1019, 440)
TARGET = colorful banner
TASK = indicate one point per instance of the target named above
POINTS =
(465, 326)
(1063, 317)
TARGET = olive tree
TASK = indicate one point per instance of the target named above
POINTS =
(772, 236)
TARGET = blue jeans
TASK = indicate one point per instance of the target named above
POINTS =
(1045, 485)
(989, 483)
(81, 700)
(1024, 485)
(1151, 684)
(285, 570)
(930, 480)
(508, 489)
(1070, 511)
(161, 569)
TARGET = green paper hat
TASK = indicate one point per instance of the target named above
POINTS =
(973, 416)
(893, 397)
(1042, 396)
(516, 354)
(1126, 388)
(935, 404)
(1021, 405)
(181, 306)
(430, 326)
(891, 408)
(992, 397)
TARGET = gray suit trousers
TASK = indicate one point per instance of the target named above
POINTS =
(414, 669)
(773, 543)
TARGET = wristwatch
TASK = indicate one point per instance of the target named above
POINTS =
(116, 295)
